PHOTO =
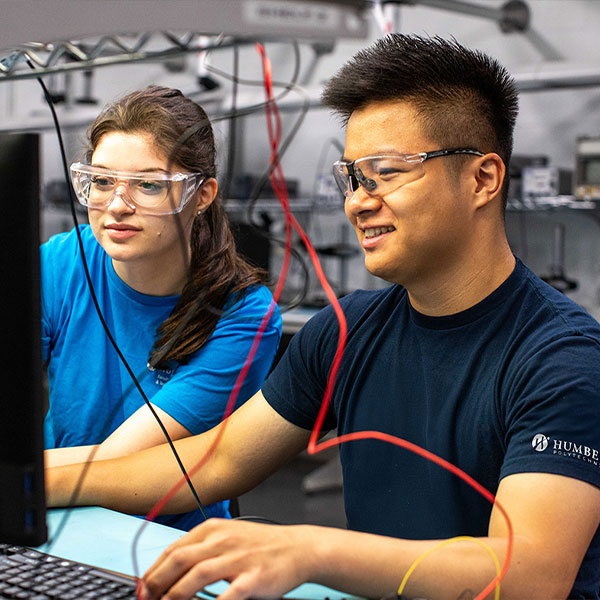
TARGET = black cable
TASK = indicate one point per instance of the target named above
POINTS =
(234, 114)
(256, 519)
(288, 86)
(231, 146)
(259, 185)
(106, 329)
(239, 113)
(189, 132)
(327, 144)
(182, 140)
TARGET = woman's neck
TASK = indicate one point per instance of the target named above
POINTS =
(151, 279)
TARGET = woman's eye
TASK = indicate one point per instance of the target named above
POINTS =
(151, 187)
(101, 182)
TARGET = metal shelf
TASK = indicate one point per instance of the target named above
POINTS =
(52, 36)
(35, 59)
(555, 204)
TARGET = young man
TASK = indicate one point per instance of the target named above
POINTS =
(468, 355)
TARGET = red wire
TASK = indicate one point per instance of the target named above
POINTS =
(313, 446)
(279, 187)
(280, 191)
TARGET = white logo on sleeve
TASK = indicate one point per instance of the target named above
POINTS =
(566, 448)
(539, 442)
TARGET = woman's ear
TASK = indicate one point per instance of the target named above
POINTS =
(488, 172)
(206, 194)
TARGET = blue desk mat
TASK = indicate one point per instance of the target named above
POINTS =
(103, 538)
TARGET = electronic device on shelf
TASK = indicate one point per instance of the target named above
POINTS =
(587, 168)
(540, 182)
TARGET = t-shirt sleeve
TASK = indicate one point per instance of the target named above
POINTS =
(553, 419)
(47, 284)
(296, 387)
(198, 393)
(57, 259)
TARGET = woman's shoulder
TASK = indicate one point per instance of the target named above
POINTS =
(253, 300)
(60, 256)
(67, 243)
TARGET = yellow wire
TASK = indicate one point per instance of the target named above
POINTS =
(462, 538)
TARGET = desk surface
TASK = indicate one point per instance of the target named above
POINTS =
(103, 538)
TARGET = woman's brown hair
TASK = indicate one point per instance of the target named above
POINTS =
(216, 269)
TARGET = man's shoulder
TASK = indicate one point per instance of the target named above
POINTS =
(554, 313)
(358, 307)
(359, 302)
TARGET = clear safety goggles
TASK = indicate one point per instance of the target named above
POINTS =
(153, 193)
(381, 175)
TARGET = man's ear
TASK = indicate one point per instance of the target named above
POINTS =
(488, 172)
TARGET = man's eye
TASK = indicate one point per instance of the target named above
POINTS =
(387, 173)
(390, 171)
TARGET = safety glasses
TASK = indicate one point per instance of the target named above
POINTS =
(381, 175)
(153, 193)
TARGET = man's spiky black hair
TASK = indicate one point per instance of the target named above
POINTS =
(464, 97)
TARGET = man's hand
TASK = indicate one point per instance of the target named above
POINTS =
(259, 561)
(553, 520)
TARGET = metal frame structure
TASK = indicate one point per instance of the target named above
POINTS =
(54, 36)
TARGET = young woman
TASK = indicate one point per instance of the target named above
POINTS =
(182, 306)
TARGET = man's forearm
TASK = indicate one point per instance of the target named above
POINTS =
(374, 566)
(229, 467)
(272, 560)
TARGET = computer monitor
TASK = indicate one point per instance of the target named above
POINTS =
(22, 500)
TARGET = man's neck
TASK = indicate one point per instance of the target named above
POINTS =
(463, 287)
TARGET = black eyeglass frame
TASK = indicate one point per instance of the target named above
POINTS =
(354, 179)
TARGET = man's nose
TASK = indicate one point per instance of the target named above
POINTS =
(360, 201)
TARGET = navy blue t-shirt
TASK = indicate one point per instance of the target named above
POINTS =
(510, 385)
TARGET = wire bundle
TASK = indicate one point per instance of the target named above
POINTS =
(276, 177)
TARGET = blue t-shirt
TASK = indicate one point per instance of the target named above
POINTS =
(510, 385)
(91, 393)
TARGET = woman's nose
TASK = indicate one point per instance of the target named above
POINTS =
(119, 203)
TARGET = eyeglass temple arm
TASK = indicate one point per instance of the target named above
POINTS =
(436, 153)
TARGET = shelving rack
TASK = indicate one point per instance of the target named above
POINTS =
(39, 38)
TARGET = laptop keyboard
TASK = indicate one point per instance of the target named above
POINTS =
(33, 575)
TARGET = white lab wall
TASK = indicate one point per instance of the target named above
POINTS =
(563, 37)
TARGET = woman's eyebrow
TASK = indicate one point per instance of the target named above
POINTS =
(148, 170)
